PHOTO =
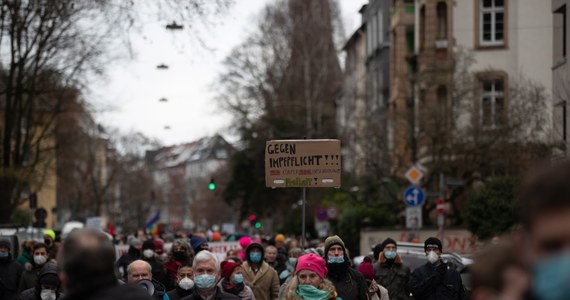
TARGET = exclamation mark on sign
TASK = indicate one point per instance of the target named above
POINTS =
(316, 180)
(326, 160)
(337, 159)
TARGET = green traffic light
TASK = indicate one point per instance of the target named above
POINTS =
(211, 186)
(258, 225)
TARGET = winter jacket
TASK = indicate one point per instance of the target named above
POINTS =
(179, 293)
(349, 283)
(394, 276)
(29, 277)
(245, 294)
(159, 273)
(34, 293)
(10, 276)
(220, 295)
(264, 282)
(115, 291)
(430, 282)
(24, 258)
(125, 260)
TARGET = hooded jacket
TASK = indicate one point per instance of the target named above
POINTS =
(34, 293)
(264, 282)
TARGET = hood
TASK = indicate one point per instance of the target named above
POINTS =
(254, 245)
(49, 268)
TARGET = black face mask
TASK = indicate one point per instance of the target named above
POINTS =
(179, 255)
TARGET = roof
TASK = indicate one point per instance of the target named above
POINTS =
(178, 155)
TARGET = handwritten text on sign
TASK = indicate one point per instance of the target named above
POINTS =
(302, 163)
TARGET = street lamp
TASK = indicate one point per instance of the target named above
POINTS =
(174, 26)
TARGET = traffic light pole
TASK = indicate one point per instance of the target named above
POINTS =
(303, 229)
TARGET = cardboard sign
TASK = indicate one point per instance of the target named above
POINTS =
(302, 163)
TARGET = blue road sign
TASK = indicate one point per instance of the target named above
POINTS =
(414, 196)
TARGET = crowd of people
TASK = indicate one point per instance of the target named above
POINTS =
(533, 263)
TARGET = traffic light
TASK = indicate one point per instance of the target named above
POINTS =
(252, 219)
(258, 225)
(212, 185)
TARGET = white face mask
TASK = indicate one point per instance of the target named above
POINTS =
(432, 257)
(186, 283)
(47, 295)
(40, 260)
(148, 253)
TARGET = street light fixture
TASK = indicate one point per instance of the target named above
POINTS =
(174, 26)
(162, 67)
(163, 99)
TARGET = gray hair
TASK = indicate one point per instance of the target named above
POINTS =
(146, 264)
(206, 256)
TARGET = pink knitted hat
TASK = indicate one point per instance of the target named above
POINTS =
(312, 262)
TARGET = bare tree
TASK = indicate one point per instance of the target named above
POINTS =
(48, 47)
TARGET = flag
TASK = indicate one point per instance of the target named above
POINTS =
(152, 224)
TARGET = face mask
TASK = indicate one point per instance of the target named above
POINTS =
(551, 278)
(179, 256)
(148, 253)
(293, 261)
(186, 283)
(238, 278)
(40, 260)
(390, 254)
(432, 257)
(335, 259)
(205, 281)
(47, 295)
(255, 257)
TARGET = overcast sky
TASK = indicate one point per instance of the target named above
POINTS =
(131, 92)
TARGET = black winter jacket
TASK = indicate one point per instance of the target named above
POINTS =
(179, 293)
(10, 275)
(349, 283)
(429, 282)
(220, 295)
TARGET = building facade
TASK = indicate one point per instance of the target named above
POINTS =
(561, 76)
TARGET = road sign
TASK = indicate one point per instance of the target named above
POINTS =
(414, 196)
(414, 175)
(440, 205)
(414, 217)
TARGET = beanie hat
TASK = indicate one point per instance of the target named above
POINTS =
(148, 245)
(433, 242)
(333, 240)
(280, 238)
(49, 279)
(135, 242)
(244, 242)
(50, 233)
(312, 262)
(5, 243)
(158, 244)
(386, 242)
(196, 242)
(366, 268)
(216, 236)
(228, 268)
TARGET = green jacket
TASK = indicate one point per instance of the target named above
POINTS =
(394, 277)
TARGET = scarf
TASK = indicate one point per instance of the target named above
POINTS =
(309, 292)
(232, 288)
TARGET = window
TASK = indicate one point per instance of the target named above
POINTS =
(380, 28)
(492, 107)
(441, 21)
(492, 23)
(559, 35)
(422, 27)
